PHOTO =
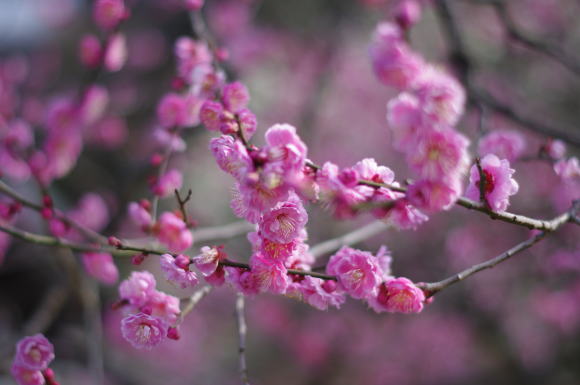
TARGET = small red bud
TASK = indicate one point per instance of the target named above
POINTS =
(115, 242)
(173, 333)
(137, 259)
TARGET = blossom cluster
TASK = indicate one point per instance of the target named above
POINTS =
(151, 314)
(30, 365)
(422, 119)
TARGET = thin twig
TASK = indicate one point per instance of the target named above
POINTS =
(182, 202)
(242, 331)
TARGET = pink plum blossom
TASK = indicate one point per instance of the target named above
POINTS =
(398, 295)
(208, 261)
(568, 169)
(172, 110)
(434, 196)
(404, 117)
(34, 352)
(25, 376)
(101, 267)
(140, 215)
(556, 149)
(283, 223)
(499, 184)
(440, 154)
(318, 293)
(163, 306)
(143, 331)
(271, 275)
(357, 271)
(248, 122)
(173, 232)
(243, 280)
(91, 211)
(285, 149)
(210, 114)
(231, 156)
(441, 97)
(177, 271)
(138, 288)
(404, 215)
(168, 183)
(235, 96)
(505, 144)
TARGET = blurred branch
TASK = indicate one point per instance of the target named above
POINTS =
(348, 239)
(544, 47)
(464, 66)
(52, 302)
(242, 330)
(193, 300)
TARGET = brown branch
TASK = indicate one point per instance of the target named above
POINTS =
(123, 250)
(182, 202)
(434, 287)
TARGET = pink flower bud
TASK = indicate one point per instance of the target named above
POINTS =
(34, 353)
(173, 333)
(90, 51)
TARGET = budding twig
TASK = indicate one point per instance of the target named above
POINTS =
(181, 202)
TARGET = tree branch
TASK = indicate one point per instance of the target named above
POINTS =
(434, 287)
(504, 216)
(546, 48)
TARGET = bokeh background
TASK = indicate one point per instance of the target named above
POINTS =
(305, 63)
